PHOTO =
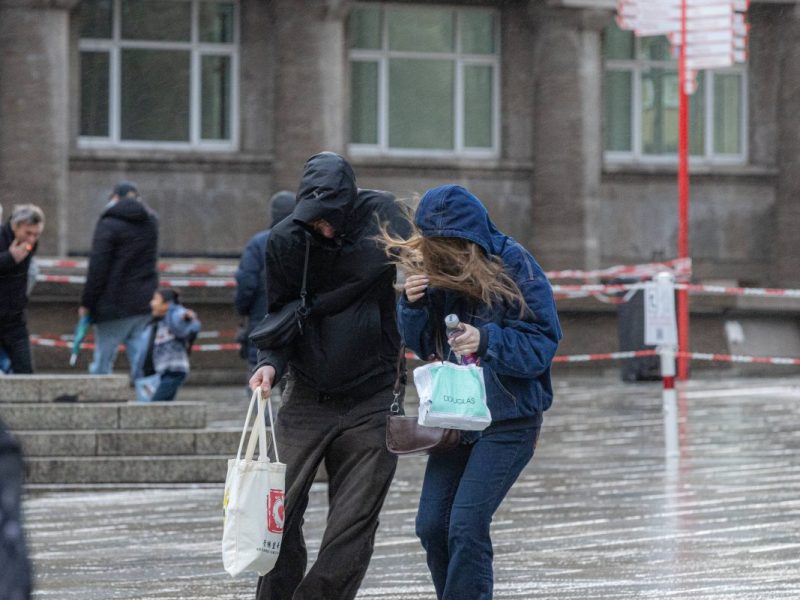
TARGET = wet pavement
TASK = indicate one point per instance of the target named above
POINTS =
(599, 513)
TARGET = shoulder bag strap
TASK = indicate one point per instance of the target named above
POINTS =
(303, 292)
(398, 380)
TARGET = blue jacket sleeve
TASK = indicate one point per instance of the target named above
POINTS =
(249, 277)
(180, 327)
(525, 347)
(416, 324)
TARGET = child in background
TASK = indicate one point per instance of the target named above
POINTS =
(166, 344)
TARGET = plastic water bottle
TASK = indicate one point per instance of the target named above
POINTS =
(454, 327)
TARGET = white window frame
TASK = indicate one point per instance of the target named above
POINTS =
(636, 67)
(460, 59)
(197, 50)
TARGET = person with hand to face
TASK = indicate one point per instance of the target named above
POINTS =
(19, 238)
(460, 263)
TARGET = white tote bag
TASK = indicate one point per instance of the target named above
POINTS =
(253, 501)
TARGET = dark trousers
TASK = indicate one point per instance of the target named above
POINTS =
(350, 437)
(461, 491)
(168, 386)
(14, 340)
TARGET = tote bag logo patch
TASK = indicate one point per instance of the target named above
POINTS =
(275, 511)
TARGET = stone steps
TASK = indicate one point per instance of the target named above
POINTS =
(64, 388)
(96, 415)
(81, 429)
(133, 442)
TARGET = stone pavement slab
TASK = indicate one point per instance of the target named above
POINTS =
(598, 514)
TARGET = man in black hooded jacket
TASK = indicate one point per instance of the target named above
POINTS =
(122, 276)
(341, 372)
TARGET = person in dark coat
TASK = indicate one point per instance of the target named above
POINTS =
(341, 372)
(122, 276)
(250, 300)
(19, 238)
(15, 568)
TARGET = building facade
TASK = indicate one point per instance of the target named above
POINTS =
(562, 124)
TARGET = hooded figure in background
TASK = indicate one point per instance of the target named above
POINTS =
(341, 372)
(122, 276)
(250, 300)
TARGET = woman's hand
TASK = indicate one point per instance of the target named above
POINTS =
(263, 378)
(415, 287)
(467, 341)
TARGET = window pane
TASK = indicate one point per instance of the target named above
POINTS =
(94, 93)
(94, 17)
(727, 113)
(618, 111)
(216, 97)
(618, 43)
(364, 102)
(697, 118)
(365, 28)
(421, 103)
(151, 109)
(216, 22)
(477, 32)
(478, 106)
(659, 111)
(421, 29)
(157, 20)
(654, 48)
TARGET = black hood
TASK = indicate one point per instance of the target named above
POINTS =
(128, 209)
(327, 191)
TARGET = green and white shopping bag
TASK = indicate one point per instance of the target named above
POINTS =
(452, 396)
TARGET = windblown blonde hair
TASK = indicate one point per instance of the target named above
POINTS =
(455, 264)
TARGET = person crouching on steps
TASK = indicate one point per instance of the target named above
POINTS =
(166, 343)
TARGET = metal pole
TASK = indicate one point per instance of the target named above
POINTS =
(683, 199)
(669, 400)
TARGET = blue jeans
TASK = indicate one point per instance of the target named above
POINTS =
(108, 335)
(168, 386)
(461, 491)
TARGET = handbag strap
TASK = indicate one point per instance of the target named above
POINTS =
(303, 292)
(397, 391)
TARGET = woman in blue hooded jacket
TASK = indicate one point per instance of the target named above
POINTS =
(458, 262)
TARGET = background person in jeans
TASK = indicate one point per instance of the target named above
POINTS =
(250, 300)
(341, 374)
(19, 238)
(122, 276)
(458, 262)
(166, 343)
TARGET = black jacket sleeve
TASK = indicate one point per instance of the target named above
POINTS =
(100, 261)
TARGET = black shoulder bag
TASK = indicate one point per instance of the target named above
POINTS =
(280, 328)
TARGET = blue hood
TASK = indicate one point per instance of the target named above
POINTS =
(451, 211)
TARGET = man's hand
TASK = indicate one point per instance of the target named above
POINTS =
(467, 341)
(19, 250)
(415, 287)
(263, 378)
(83, 311)
(189, 315)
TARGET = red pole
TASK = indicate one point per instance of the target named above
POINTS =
(683, 200)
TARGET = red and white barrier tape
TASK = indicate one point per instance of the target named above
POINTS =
(704, 356)
(680, 268)
(605, 356)
(80, 279)
(581, 291)
(164, 267)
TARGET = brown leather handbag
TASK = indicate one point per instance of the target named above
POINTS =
(404, 435)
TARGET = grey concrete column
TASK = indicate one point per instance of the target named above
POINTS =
(34, 118)
(310, 88)
(785, 247)
(567, 134)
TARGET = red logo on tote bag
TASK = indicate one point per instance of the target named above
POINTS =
(275, 511)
